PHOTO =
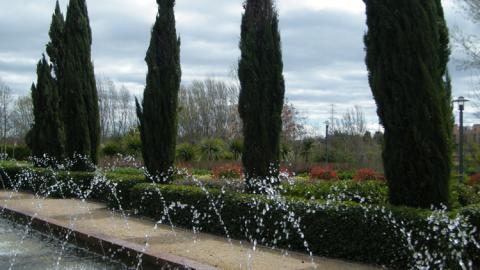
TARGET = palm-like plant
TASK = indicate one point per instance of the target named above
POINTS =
(212, 149)
(186, 152)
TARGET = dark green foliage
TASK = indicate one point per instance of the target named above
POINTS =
(79, 91)
(212, 149)
(407, 52)
(236, 148)
(129, 144)
(113, 189)
(186, 152)
(158, 113)
(464, 195)
(372, 192)
(18, 152)
(46, 138)
(339, 230)
(112, 148)
(260, 71)
(56, 46)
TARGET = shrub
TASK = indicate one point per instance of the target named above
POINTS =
(17, 152)
(474, 179)
(132, 143)
(112, 148)
(126, 171)
(370, 234)
(227, 171)
(64, 184)
(186, 152)
(201, 172)
(323, 173)
(346, 175)
(212, 149)
(365, 174)
(371, 192)
(464, 195)
(236, 148)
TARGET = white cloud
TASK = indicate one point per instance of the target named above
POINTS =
(322, 46)
(351, 6)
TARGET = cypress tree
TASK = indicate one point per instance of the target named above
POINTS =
(56, 47)
(158, 113)
(260, 71)
(45, 139)
(79, 92)
(407, 53)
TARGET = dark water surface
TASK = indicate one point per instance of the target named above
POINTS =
(40, 252)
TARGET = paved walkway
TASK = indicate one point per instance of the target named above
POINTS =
(199, 247)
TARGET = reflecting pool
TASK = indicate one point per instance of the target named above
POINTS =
(23, 249)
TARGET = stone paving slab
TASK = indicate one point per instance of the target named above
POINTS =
(205, 249)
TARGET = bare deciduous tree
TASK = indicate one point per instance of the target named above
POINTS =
(21, 117)
(353, 122)
(5, 103)
(208, 109)
(117, 110)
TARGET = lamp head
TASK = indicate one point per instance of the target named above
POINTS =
(461, 102)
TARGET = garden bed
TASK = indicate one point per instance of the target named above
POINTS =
(344, 219)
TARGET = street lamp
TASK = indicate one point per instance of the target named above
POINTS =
(461, 106)
(326, 140)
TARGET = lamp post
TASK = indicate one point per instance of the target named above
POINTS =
(461, 106)
(326, 141)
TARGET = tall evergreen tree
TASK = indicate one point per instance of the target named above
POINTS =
(158, 113)
(260, 71)
(79, 92)
(46, 136)
(407, 52)
(56, 47)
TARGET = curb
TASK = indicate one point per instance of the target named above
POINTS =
(126, 252)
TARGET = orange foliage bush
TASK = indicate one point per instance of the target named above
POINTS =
(474, 179)
(366, 174)
(323, 173)
(231, 171)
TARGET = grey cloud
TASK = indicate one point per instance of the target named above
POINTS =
(323, 49)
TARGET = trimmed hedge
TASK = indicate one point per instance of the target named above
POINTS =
(372, 192)
(65, 184)
(346, 230)
(18, 152)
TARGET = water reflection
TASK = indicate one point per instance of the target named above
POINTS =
(40, 252)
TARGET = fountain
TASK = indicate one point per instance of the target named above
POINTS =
(253, 231)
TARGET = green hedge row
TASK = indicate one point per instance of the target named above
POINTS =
(18, 152)
(373, 192)
(370, 192)
(341, 228)
(112, 188)
(346, 230)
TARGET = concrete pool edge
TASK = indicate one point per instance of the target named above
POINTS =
(124, 251)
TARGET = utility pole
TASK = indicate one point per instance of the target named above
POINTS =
(332, 115)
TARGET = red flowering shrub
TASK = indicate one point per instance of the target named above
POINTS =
(474, 179)
(230, 171)
(323, 173)
(366, 174)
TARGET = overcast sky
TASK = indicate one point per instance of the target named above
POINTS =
(322, 46)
